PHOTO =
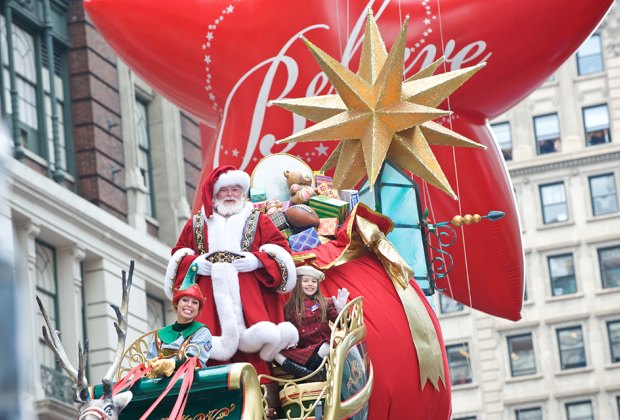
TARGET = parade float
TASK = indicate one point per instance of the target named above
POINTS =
(389, 129)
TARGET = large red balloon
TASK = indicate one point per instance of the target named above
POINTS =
(224, 60)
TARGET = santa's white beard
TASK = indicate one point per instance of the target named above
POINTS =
(228, 207)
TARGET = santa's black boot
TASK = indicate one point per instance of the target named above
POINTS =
(295, 369)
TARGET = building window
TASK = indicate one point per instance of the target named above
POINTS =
(531, 413)
(604, 195)
(464, 418)
(609, 262)
(54, 382)
(554, 204)
(503, 138)
(155, 313)
(581, 410)
(572, 348)
(458, 361)
(613, 330)
(547, 131)
(590, 56)
(562, 274)
(618, 404)
(521, 351)
(32, 125)
(596, 125)
(448, 305)
(144, 154)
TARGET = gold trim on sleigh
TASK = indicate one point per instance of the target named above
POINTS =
(349, 331)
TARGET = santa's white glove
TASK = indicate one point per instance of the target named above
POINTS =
(204, 266)
(341, 301)
(248, 263)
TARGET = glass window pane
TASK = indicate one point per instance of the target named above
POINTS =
(521, 352)
(448, 305)
(547, 131)
(579, 411)
(613, 330)
(502, 135)
(458, 362)
(596, 125)
(533, 413)
(554, 206)
(572, 348)
(155, 313)
(604, 194)
(141, 123)
(562, 274)
(609, 262)
(589, 56)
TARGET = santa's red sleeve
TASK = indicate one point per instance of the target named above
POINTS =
(275, 255)
(183, 254)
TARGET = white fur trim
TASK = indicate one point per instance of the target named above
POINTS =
(171, 269)
(225, 346)
(289, 337)
(263, 336)
(287, 259)
(307, 270)
(225, 233)
(230, 178)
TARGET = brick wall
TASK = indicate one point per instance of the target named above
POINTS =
(95, 108)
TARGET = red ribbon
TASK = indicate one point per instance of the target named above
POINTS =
(187, 371)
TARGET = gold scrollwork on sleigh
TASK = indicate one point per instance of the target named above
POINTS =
(346, 365)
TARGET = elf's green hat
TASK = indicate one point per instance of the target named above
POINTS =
(189, 287)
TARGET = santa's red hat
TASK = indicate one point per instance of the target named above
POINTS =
(222, 176)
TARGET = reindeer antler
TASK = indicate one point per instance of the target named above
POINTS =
(121, 323)
(53, 341)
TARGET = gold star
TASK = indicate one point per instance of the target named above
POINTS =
(376, 116)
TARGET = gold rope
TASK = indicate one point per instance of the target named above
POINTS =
(421, 326)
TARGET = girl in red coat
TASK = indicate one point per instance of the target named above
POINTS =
(310, 312)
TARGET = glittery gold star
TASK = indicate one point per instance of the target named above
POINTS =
(376, 116)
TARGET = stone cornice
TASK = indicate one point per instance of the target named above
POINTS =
(39, 199)
(565, 164)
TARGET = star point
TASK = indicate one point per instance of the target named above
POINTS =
(376, 116)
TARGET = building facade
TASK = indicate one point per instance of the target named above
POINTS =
(562, 359)
(103, 171)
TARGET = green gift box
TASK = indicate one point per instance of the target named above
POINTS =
(257, 194)
(327, 207)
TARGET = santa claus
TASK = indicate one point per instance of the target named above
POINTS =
(244, 263)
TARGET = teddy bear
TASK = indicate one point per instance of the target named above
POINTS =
(272, 206)
(300, 186)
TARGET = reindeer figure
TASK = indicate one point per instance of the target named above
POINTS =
(109, 406)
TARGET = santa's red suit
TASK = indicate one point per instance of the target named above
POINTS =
(242, 309)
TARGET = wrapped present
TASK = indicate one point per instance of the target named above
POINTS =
(350, 196)
(278, 219)
(287, 232)
(286, 204)
(260, 206)
(328, 226)
(327, 191)
(315, 173)
(303, 241)
(320, 179)
(257, 194)
(329, 207)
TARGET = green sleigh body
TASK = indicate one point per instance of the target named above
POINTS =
(233, 391)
